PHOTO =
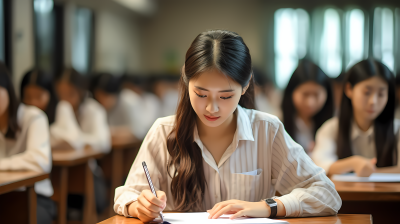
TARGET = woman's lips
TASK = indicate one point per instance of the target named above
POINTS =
(211, 118)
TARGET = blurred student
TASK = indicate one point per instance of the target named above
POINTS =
(149, 104)
(37, 89)
(365, 135)
(25, 143)
(123, 106)
(165, 87)
(307, 103)
(264, 91)
(89, 114)
(93, 129)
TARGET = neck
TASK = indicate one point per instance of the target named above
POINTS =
(307, 120)
(226, 128)
(363, 124)
(4, 122)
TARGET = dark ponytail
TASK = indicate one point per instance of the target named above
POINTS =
(215, 49)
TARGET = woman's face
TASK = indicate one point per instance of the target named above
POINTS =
(69, 93)
(4, 100)
(214, 97)
(368, 97)
(106, 99)
(36, 96)
(308, 99)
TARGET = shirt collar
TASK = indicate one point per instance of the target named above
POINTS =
(356, 131)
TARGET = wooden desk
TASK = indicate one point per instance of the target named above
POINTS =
(354, 191)
(339, 219)
(12, 180)
(71, 174)
(382, 200)
(117, 164)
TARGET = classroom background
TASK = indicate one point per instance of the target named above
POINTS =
(141, 44)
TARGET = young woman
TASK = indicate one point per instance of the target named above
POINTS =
(124, 111)
(307, 103)
(365, 135)
(216, 148)
(89, 114)
(24, 143)
(37, 90)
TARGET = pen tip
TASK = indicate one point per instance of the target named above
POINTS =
(144, 163)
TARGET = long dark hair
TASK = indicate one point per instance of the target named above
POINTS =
(43, 80)
(106, 82)
(5, 82)
(306, 71)
(76, 79)
(215, 49)
(385, 140)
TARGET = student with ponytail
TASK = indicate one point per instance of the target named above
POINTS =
(219, 155)
(365, 137)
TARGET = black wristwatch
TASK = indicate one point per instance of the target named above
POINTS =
(273, 205)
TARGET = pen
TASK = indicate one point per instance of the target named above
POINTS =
(146, 171)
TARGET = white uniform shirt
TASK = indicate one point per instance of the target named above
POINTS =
(304, 135)
(261, 159)
(31, 148)
(362, 143)
(90, 129)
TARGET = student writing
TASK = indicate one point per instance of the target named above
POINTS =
(218, 154)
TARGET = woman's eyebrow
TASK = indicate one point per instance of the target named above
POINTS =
(222, 91)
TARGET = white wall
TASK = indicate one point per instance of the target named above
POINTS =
(22, 39)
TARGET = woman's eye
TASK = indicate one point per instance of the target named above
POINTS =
(201, 96)
(225, 98)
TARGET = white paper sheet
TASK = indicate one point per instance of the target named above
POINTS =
(375, 177)
(202, 217)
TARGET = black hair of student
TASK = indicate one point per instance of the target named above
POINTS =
(306, 71)
(5, 82)
(215, 49)
(76, 79)
(397, 80)
(43, 80)
(106, 82)
(385, 140)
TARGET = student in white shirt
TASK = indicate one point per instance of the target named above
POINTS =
(123, 107)
(307, 103)
(92, 127)
(218, 154)
(37, 89)
(365, 135)
(149, 104)
(25, 143)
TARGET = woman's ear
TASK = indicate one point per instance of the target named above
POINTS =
(348, 90)
(245, 89)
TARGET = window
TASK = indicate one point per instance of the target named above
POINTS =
(291, 38)
(355, 35)
(81, 39)
(330, 55)
(383, 35)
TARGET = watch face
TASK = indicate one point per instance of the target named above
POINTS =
(271, 202)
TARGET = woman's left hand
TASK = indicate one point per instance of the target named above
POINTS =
(239, 209)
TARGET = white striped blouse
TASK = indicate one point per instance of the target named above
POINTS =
(261, 159)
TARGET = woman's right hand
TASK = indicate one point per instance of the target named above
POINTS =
(364, 167)
(148, 206)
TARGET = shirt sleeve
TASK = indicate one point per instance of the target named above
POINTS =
(66, 127)
(37, 156)
(324, 154)
(306, 190)
(154, 152)
(98, 134)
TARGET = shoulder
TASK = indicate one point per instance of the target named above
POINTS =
(330, 127)
(92, 106)
(64, 106)
(27, 114)
(165, 122)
